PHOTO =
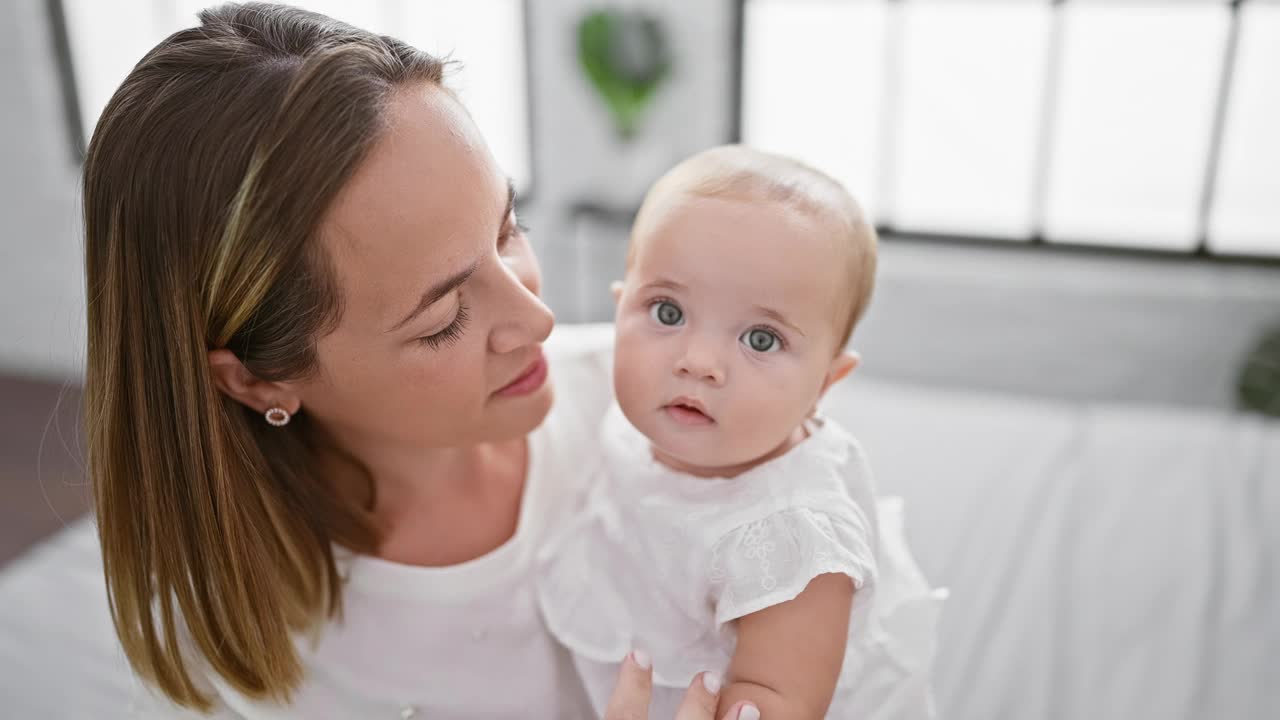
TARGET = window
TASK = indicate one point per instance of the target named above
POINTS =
(1134, 114)
(813, 74)
(104, 40)
(1137, 125)
(1245, 215)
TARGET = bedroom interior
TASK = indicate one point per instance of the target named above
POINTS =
(1071, 366)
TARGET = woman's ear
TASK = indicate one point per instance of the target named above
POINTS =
(615, 287)
(841, 366)
(236, 382)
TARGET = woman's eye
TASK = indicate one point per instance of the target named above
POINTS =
(450, 334)
(512, 228)
(762, 340)
(666, 313)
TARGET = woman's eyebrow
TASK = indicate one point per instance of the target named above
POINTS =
(444, 287)
(437, 291)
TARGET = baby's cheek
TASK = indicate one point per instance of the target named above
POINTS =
(781, 407)
(633, 377)
(628, 361)
(757, 418)
(641, 349)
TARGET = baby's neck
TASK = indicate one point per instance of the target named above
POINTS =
(729, 471)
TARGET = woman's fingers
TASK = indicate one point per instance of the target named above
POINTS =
(700, 699)
(630, 699)
(742, 710)
(700, 702)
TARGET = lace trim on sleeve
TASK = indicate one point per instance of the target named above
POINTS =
(772, 560)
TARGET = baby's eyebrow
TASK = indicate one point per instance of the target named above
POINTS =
(665, 283)
(775, 315)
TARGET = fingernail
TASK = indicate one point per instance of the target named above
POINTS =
(641, 658)
(711, 682)
(749, 712)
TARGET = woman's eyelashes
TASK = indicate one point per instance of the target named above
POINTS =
(451, 333)
(509, 230)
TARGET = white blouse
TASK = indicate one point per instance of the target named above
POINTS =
(464, 641)
(663, 561)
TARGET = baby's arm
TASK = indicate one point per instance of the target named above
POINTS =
(789, 655)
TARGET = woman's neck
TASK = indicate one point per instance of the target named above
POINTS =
(442, 506)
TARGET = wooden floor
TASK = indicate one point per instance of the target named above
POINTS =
(42, 482)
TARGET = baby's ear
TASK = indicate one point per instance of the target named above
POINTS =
(841, 366)
(615, 287)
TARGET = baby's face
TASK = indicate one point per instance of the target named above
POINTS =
(726, 329)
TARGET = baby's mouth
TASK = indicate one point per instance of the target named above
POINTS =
(687, 412)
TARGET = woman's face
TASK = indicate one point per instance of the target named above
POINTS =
(439, 342)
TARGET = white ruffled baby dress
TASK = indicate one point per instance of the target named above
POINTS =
(662, 560)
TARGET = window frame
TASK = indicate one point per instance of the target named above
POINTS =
(72, 111)
(1036, 241)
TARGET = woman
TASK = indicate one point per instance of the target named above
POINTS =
(321, 432)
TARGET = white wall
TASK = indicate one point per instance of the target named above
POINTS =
(576, 157)
(41, 283)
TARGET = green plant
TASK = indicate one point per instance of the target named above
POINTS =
(626, 57)
(1259, 385)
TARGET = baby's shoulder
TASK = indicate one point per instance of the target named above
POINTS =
(811, 515)
(855, 475)
(826, 475)
(830, 462)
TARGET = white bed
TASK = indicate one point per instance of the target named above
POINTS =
(1104, 562)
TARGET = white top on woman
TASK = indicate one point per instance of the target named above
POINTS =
(463, 641)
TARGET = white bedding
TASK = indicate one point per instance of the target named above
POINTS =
(1104, 562)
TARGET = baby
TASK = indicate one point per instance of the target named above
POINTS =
(731, 527)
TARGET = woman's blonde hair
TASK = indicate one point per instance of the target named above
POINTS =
(204, 184)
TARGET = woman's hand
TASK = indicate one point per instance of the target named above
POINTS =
(630, 699)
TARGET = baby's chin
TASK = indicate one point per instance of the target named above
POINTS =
(718, 450)
(702, 449)
(700, 457)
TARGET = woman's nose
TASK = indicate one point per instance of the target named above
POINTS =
(528, 320)
(701, 363)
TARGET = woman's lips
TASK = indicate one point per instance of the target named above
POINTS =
(531, 379)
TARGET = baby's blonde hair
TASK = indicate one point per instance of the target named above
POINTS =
(737, 172)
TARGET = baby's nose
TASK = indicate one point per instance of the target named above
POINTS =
(701, 366)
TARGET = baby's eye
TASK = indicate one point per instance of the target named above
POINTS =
(666, 313)
(762, 340)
